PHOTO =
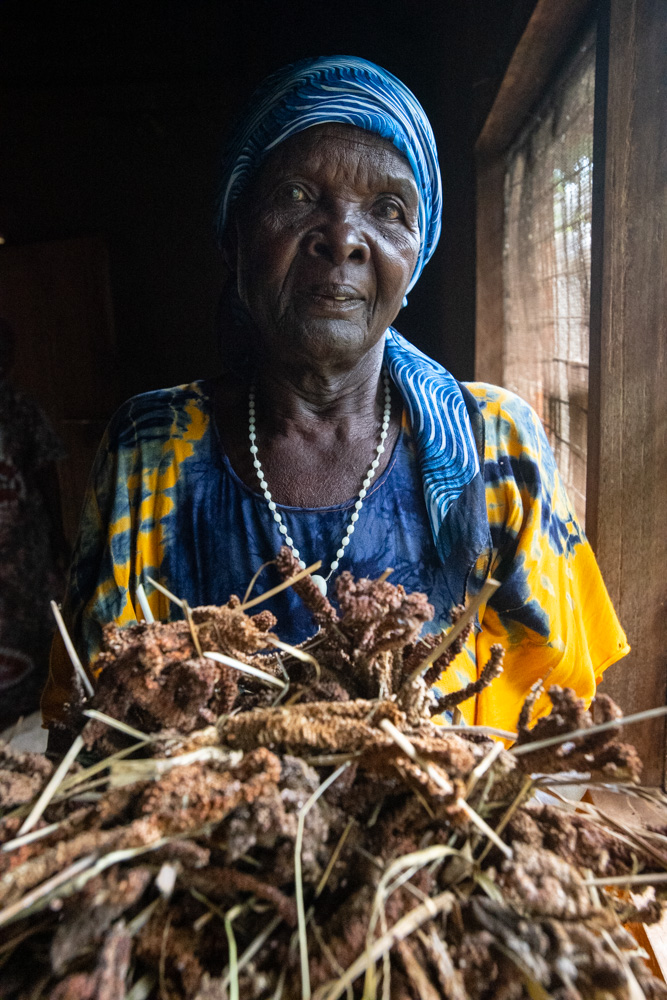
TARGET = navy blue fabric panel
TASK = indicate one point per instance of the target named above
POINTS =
(224, 531)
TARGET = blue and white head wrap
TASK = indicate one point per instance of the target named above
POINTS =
(343, 89)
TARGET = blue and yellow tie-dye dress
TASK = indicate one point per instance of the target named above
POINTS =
(471, 491)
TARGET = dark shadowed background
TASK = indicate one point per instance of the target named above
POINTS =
(112, 122)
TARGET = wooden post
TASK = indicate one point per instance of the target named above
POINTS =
(627, 426)
(490, 309)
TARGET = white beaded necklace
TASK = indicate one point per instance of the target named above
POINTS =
(320, 581)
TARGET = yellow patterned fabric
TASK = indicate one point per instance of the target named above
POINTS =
(552, 615)
(150, 510)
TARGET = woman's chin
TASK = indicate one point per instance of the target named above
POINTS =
(328, 340)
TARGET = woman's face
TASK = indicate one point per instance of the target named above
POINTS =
(327, 239)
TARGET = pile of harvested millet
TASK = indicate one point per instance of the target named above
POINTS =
(309, 831)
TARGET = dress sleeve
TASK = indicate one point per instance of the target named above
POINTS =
(121, 534)
(95, 593)
(552, 613)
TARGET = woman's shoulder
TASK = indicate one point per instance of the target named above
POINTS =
(506, 416)
(495, 399)
(161, 414)
(515, 443)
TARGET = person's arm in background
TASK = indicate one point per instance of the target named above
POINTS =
(39, 457)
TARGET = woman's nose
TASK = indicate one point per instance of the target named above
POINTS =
(338, 239)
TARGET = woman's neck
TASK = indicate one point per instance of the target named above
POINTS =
(316, 430)
(312, 395)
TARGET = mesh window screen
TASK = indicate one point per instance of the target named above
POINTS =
(548, 192)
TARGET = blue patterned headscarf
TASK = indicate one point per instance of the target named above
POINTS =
(343, 89)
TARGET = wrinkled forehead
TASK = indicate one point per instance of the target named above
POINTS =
(331, 141)
(338, 132)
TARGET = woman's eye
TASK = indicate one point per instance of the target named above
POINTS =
(295, 193)
(390, 211)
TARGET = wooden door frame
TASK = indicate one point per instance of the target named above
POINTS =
(626, 518)
(626, 490)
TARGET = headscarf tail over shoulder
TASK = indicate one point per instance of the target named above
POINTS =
(441, 426)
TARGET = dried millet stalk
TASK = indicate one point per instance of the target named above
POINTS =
(573, 837)
(551, 886)
(221, 883)
(599, 752)
(568, 713)
(107, 982)
(365, 643)
(421, 650)
(341, 726)
(152, 677)
(377, 616)
(22, 775)
(318, 604)
(182, 801)
(229, 630)
(490, 671)
(85, 923)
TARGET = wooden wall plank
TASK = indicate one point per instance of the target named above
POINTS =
(627, 472)
(490, 317)
(547, 37)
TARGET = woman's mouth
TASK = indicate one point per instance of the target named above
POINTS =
(334, 299)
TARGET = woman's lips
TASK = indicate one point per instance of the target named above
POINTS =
(335, 299)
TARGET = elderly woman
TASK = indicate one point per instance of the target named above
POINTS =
(328, 431)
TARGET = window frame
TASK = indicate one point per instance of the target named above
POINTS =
(626, 498)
